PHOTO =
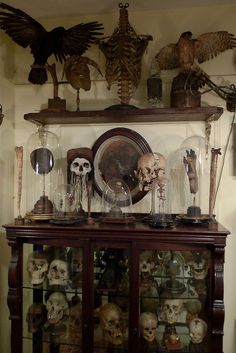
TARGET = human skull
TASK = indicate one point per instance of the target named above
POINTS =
(36, 317)
(76, 260)
(198, 330)
(111, 323)
(150, 170)
(199, 264)
(146, 264)
(75, 257)
(171, 310)
(56, 306)
(75, 321)
(37, 267)
(148, 326)
(80, 166)
(58, 273)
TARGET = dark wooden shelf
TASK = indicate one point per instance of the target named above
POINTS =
(132, 115)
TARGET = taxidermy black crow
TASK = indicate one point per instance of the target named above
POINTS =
(61, 42)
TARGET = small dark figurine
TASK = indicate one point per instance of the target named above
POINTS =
(113, 260)
(61, 42)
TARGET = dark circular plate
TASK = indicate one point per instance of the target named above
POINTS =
(116, 154)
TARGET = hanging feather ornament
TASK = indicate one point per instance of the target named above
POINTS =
(123, 51)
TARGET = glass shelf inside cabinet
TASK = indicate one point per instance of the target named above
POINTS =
(52, 298)
(111, 300)
(174, 300)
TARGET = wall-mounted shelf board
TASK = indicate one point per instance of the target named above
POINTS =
(132, 115)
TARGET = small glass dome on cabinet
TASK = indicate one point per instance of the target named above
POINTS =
(116, 202)
(64, 204)
(160, 215)
(43, 173)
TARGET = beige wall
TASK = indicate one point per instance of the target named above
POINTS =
(7, 183)
(165, 26)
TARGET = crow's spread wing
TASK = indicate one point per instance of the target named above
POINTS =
(167, 57)
(209, 45)
(22, 28)
(77, 39)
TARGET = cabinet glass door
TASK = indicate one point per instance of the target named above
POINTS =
(52, 299)
(111, 300)
(173, 297)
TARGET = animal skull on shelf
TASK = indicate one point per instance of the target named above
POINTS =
(56, 306)
(81, 167)
(151, 170)
(148, 326)
(58, 273)
(171, 310)
(37, 267)
(198, 330)
(110, 316)
(36, 317)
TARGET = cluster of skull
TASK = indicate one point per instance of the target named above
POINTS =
(56, 306)
(197, 330)
(36, 317)
(148, 323)
(75, 257)
(80, 167)
(171, 310)
(39, 269)
(58, 273)
(151, 171)
(111, 323)
(146, 264)
(199, 264)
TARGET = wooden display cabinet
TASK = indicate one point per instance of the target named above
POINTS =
(122, 271)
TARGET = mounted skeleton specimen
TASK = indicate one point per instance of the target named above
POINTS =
(123, 51)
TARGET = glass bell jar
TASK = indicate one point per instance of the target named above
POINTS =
(188, 180)
(43, 173)
(64, 204)
(160, 215)
(116, 202)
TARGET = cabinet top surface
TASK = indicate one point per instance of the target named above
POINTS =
(138, 230)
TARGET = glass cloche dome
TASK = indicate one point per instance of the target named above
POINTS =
(116, 202)
(43, 173)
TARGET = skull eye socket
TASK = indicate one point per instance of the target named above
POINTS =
(75, 165)
(86, 165)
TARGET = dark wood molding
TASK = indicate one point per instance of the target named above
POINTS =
(143, 115)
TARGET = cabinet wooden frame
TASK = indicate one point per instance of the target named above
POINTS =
(134, 237)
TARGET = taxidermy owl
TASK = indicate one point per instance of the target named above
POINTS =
(187, 53)
(27, 32)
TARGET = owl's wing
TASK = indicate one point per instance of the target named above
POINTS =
(77, 39)
(22, 28)
(167, 57)
(209, 45)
